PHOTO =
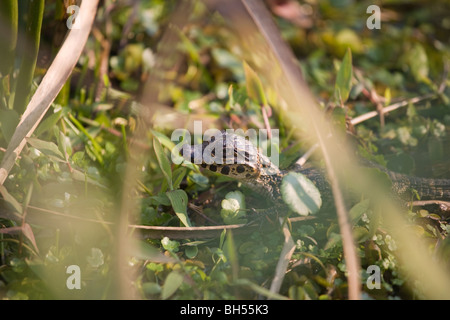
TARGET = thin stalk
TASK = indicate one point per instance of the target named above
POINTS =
(32, 40)
(8, 40)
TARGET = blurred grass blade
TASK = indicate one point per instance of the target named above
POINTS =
(302, 105)
(259, 290)
(254, 87)
(31, 41)
(50, 86)
(8, 122)
(8, 41)
(163, 161)
(9, 199)
(344, 78)
(387, 96)
(232, 255)
(96, 147)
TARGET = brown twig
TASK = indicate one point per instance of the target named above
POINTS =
(390, 108)
(283, 262)
(158, 232)
(444, 205)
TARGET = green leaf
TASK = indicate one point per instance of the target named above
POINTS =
(155, 267)
(96, 149)
(359, 209)
(63, 144)
(179, 201)
(254, 87)
(361, 234)
(170, 245)
(178, 175)
(151, 288)
(344, 78)
(333, 240)
(172, 283)
(48, 148)
(9, 119)
(48, 123)
(231, 100)
(405, 137)
(83, 177)
(233, 208)
(163, 162)
(145, 251)
(306, 230)
(435, 150)
(200, 180)
(300, 194)
(164, 140)
(417, 60)
(236, 96)
(11, 200)
(191, 252)
(228, 61)
(161, 199)
(96, 259)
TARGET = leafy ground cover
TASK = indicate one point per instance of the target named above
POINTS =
(63, 202)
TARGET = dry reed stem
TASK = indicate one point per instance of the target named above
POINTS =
(297, 94)
(51, 84)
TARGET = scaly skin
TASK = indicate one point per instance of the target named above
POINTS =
(251, 173)
(402, 185)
